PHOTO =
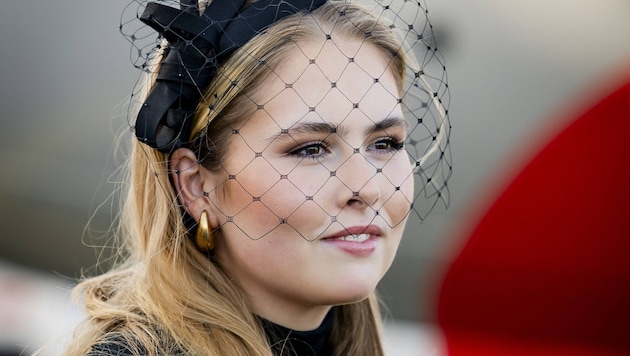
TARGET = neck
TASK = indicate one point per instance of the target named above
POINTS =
(295, 318)
(316, 342)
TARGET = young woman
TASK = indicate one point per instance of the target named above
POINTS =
(269, 191)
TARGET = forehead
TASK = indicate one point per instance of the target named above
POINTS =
(331, 80)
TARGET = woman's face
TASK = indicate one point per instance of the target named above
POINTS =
(318, 184)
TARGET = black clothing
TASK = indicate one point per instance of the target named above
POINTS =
(112, 348)
(288, 342)
(283, 341)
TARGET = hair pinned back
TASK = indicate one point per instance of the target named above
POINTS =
(206, 68)
(196, 45)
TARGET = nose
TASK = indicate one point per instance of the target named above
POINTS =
(359, 179)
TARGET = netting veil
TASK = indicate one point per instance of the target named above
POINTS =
(306, 94)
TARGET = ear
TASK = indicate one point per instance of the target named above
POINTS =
(188, 181)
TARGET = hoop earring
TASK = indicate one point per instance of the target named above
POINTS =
(204, 239)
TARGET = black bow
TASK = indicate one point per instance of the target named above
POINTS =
(197, 44)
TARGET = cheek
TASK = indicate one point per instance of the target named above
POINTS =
(399, 173)
(261, 200)
(398, 182)
(267, 262)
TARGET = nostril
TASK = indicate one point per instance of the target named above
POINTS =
(359, 199)
(355, 200)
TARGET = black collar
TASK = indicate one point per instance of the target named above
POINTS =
(288, 342)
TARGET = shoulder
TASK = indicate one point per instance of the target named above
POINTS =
(114, 347)
(120, 346)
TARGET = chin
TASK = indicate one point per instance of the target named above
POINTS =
(351, 293)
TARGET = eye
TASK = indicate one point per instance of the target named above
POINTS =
(386, 145)
(311, 150)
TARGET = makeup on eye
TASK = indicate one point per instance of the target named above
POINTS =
(318, 149)
(387, 145)
(312, 150)
(318, 137)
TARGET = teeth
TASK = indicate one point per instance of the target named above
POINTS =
(355, 238)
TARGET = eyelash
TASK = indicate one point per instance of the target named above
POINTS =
(300, 151)
(394, 145)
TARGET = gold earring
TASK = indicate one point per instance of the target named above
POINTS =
(204, 238)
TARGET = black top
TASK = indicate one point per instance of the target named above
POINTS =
(288, 342)
(283, 341)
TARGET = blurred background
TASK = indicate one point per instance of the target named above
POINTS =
(514, 67)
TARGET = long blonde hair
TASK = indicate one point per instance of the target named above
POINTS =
(167, 297)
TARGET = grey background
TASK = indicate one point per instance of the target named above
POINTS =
(515, 69)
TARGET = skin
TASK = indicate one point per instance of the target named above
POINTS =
(276, 216)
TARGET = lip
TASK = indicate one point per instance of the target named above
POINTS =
(355, 248)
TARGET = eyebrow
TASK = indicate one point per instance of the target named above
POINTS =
(388, 123)
(327, 128)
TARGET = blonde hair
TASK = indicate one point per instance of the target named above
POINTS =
(167, 297)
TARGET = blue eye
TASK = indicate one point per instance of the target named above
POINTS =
(386, 144)
(311, 150)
